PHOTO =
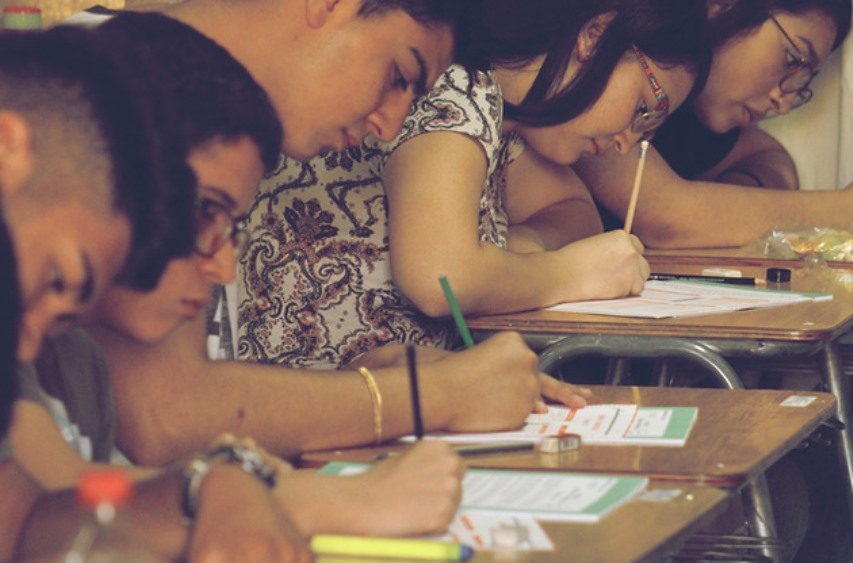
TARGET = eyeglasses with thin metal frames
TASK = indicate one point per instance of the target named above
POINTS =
(217, 226)
(797, 78)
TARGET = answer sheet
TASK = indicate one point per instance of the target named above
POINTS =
(543, 495)
(495, 532)
(622, 424)
(673, 299)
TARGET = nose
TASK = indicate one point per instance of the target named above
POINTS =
(782, 102)
(221, 268)
(386, 120)
(624, 141)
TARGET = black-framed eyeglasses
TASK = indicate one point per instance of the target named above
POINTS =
(799, 71)
(646, 121)
(215, 227)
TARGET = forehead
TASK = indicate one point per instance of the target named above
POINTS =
(229, 171)
(397, 33)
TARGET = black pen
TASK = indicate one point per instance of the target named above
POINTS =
(413, 387)
(476, 449)
(494, 448)
(714, 279)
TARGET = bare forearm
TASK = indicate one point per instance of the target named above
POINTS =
(757, 159)
(555, 227)
(676, 213)
(487, 279)
(718, 215)
(54, 520)
(321, 503)
(166, 413)
(226, 491)
(769, 169)
(20, 492)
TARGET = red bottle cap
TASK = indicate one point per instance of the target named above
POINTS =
(104, 485)
(22, 10)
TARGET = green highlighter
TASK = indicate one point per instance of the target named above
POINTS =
(396, 548)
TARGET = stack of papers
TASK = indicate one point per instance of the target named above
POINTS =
(547, 496)
(543, 495)
(480, 531)
(597, 424)
(670, 299)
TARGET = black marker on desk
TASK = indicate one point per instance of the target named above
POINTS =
(413, 388)
(494, 448)
(477, 449)
(713, 279)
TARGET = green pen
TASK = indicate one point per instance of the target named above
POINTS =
(456, 311)
(397, 548)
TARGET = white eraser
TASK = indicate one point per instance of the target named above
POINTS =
(505, 538)
(722, 272)
(558, 443)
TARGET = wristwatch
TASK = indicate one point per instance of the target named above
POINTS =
(246, 458)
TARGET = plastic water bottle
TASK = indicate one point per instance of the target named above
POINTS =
(21, 19)
(106, 533)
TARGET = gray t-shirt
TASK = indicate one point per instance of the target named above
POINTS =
(70, 379)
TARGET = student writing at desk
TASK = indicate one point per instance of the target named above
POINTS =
(356, 241)
(493, 386)
(70, 200)
(415, 494)
(765, 56)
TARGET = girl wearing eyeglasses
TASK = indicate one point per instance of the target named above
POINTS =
(569, 79)
(766, 54)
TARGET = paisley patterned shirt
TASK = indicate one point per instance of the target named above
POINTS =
(315, 287)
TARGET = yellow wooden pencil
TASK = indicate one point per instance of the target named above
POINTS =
(635, 191)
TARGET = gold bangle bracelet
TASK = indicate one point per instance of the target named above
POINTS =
(376, 399)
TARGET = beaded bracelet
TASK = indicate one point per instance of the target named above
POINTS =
(376, 399)
(246, 458)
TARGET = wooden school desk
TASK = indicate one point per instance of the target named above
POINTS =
(737, 435)
(805, 332)
(732, 258)
(638, 531)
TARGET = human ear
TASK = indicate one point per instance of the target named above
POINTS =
(717, 7)
(590, 34)
(16, 157)
(317, 12)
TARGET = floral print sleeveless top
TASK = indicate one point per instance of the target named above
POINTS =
(315, 287)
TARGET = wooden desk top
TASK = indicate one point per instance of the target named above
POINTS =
(638, 531)
(737, 435)
(802, 322)
(745, 256)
